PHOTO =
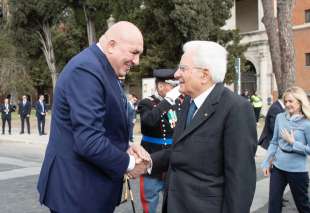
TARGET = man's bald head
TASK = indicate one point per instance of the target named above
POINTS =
(122, 44)
(123, 30)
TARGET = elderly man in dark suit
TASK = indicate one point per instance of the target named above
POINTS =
(24, 110)
(87, 153)
(211, 166)
(267, 133)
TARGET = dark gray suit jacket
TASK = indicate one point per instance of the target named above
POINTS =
(211, 166)
(267, 133)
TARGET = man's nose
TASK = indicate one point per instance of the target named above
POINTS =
(177, 74)
(136, 59)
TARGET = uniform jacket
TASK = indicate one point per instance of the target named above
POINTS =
(24, 110)
(155, 123)
(267, 133)
(211, 166)
(86, 154)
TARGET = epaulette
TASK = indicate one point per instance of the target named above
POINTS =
(150, 98)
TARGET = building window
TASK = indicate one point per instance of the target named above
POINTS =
(307, 59)
(307, 16)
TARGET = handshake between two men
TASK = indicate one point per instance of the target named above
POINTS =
(142, 161)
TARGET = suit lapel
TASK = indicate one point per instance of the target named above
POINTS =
(118, 94)
(180, 126)
(203, 114)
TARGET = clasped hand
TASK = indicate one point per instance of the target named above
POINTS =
(142, 160)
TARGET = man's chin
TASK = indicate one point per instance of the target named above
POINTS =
(122, 73)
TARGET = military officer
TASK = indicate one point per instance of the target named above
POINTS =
(158, 119)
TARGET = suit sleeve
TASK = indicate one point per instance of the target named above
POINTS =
(29, 108)
(160, 161)
(240, 143)
(274, 143)
(272, 118)
(45, 108)
(19, 109)
(37, 107)
(86, 97)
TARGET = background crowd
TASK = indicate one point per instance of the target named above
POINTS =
(24, 112)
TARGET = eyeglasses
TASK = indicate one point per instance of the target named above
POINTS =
(184, 68)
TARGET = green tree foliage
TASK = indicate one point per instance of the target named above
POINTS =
(14, 79)
(97, 11)
(28, 19)
(168, 24)
(68, 37)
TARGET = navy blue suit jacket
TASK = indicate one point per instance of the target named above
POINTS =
(39, 109)
(3, 114)
(86, 154)
(23, 111)
(267, 133)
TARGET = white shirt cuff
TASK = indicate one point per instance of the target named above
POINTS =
(149, 170)
(132, 163)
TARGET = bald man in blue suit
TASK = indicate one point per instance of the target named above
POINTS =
(87, 154)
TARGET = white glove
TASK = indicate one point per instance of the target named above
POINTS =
(172, 95)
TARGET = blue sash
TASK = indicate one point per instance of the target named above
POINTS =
(166, 141)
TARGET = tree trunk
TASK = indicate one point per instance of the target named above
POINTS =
(91, 33)
(280, 38)
(48, 50)
(287, 50)
(271, 26)
(5, 10)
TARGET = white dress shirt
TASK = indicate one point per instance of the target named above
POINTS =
(202, 97)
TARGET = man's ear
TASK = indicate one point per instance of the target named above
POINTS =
(205, 75)
(160, 86)
(111, 45)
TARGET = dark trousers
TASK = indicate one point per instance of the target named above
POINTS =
(298, 182)
(53, 211)
(4, 120)
(257, 113)
(41, 124)
(22, 119)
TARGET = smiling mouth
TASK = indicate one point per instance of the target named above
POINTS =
(129, 66)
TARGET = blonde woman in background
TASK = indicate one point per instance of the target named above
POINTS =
(286, 159)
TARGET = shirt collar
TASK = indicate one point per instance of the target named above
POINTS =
(281, 103)
(99, 46)
(203, 96)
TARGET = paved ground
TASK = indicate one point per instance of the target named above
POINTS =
(20, 163)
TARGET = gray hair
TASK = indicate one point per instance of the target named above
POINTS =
(209, 55)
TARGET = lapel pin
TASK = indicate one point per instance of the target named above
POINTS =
(206, 114)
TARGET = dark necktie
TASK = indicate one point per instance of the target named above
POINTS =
(191, 111)
(124, 99)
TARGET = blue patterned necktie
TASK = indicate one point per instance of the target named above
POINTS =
(191, 111)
